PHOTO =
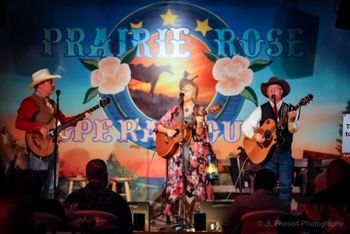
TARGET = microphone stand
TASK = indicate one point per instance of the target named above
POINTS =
(182, 203)
(183, 224)
(55, 139)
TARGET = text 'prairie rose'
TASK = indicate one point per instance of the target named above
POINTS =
(233, 75)
(111, 77)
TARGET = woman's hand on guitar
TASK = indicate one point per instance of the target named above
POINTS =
(258, 137)
(170, 132)
(199, 119)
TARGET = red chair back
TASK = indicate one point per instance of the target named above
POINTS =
(49, 221)
(95, 220)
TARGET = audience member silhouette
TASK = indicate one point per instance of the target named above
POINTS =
(3, 180)
(29, 182)
(332, 205)
(95, 196)
(17, 212)
(263, 198)
(320, 181)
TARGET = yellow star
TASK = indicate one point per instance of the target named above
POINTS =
(168, 18)
(203, 27)
(138, 25)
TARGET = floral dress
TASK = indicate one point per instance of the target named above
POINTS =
(196, 162)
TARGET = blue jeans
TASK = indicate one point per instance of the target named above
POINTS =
(46, 164)
(282, 165)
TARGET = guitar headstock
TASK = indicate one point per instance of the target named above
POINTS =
(306, 100)
(105, 101)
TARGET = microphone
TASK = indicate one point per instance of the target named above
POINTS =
(58, 92)
(182, 99)
(182, 95)
(274, 97)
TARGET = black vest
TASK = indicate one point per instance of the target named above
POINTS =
(284, 137)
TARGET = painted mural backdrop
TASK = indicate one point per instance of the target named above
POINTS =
(138, 53)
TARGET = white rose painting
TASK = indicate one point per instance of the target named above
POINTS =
(233, 75)
(111, 77)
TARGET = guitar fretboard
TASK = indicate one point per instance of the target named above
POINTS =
(302, 102)
(81, 116)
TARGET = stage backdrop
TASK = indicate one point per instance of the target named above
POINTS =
(136, 53)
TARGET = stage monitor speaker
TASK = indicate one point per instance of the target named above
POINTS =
(298, 63)
(140, 213)
(343, 15)
(139, 221)
(200, 221)
(215, 212)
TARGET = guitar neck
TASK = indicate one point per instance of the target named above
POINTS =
(76, 118)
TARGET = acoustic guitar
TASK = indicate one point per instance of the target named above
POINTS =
(45, 146)
(258, 152)
(166, 146)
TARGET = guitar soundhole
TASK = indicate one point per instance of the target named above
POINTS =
(52, 133)
(267, 135)
(177, 132)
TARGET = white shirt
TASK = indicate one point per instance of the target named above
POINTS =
(253, 121)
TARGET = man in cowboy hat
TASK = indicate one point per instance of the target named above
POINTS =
(279, 160)
(35, 116)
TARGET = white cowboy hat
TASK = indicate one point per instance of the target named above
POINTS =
(42, 75)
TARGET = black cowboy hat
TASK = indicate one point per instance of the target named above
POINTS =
(274, 80)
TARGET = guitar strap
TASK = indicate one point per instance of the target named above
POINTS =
(299, 110)
(284, 110)
(288, 107)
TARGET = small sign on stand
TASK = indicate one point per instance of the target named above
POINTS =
(346, 137)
